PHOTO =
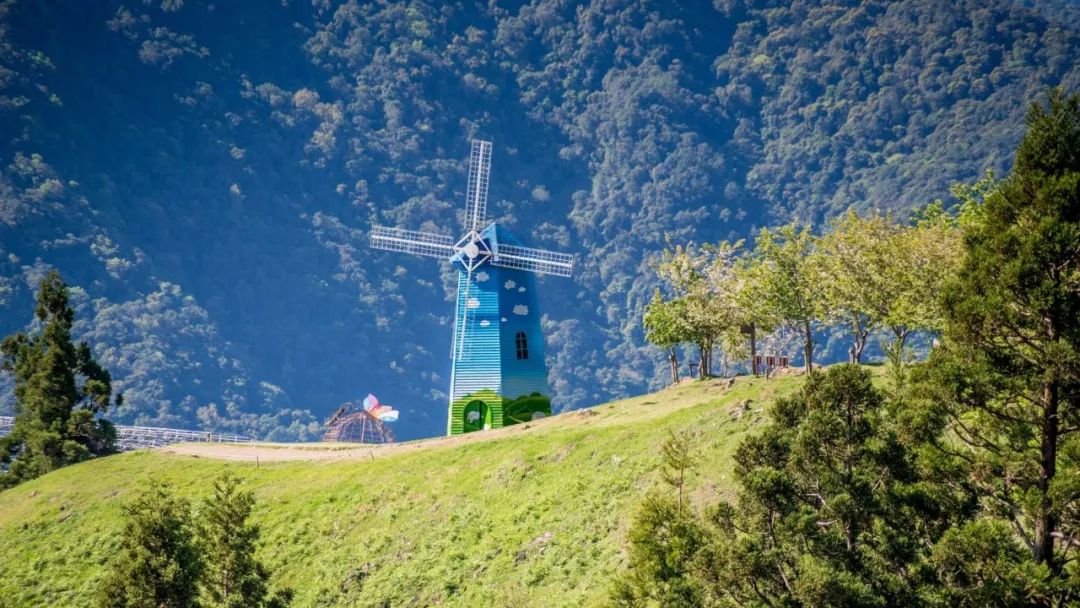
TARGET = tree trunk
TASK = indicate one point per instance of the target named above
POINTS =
(1046, 521)
(753, 349)
(901, 334)
(808, 347)
(673, 361)
(859, 336)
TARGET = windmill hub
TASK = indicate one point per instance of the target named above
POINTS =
(472, 250)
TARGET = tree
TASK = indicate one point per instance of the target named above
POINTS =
(60, 390)
(707, 287)
(158, 564)
(879, 273)
(233, 578)
(784, 284)
(665, 326)
(1006, 382)
(664, 543)
(665, 539)
(834, 508)
(922, 258)
(856, 263)
(678, 462)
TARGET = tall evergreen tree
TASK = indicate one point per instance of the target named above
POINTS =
(834, 508)
(59, 391)
(158, 564)
(233, 578)
(1007, 381)
(679, 461)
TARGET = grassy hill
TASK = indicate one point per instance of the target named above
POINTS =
(533, 515)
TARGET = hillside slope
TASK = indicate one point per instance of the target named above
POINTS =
(526, 516)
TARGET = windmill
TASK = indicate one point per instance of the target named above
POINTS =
(499, 376)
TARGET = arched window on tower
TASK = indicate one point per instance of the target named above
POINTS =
(521, 345)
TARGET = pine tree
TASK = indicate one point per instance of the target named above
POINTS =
(664, 543)
(1007, 380)
(158, 564)
(833, 509)
(665, 539)
(678, 461)
(233, 578)
(59, 392)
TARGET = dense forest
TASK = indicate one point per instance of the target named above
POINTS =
(204, 174)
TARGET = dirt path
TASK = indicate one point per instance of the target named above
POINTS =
(268, 452)
(285, 452)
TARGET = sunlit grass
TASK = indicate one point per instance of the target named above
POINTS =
(525, 516)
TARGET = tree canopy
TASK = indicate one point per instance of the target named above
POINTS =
(1006, 381)
(60, 390)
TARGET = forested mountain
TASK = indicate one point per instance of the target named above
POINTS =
(206, 173)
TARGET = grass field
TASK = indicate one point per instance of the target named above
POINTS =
(532, 515)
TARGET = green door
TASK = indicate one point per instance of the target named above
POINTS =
(475, 415)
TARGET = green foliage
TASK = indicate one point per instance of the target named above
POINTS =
(843, 500)
(158, 564)
(678, 460)
(833, 508)
(664, 540)
(981, 564)
(857, 264)
(784, 283)
(878, 273)
(665, 326)
(232, 577)
(867, 272)
(1004, 384)
(665, 322)
(707, 309)
(59, 391)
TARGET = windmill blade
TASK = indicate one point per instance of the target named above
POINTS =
(477, 190)
(533, 260)
(412, 241)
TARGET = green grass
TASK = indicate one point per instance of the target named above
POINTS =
(533, 515)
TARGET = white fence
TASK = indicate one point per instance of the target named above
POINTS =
(137, 437)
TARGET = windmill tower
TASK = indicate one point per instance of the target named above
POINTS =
(499, 376)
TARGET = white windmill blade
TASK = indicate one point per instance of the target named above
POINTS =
(477, 190)
(412, 241)
(533, 260)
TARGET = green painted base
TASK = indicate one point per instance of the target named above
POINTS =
(486, 409)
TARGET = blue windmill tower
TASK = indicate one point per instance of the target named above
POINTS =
(499, 376)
